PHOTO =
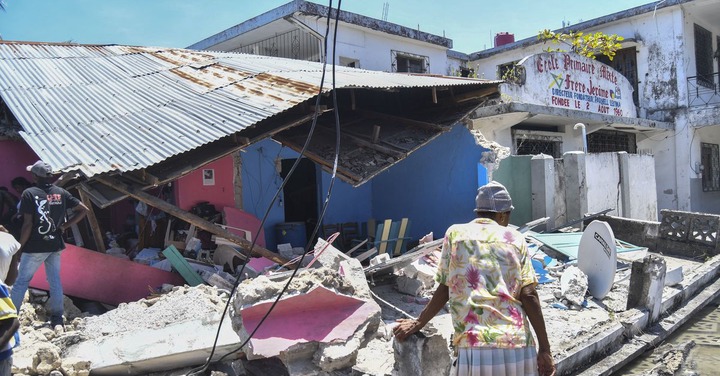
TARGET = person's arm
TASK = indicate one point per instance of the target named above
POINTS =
(79, 212)
(13, 270)
(531, 305)
(26, 230)
(8, 327)
(407, 327)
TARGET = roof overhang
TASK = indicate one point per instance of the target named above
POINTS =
(505, 115)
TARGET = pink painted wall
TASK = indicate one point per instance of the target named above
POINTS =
(15, 156)
(190, 190)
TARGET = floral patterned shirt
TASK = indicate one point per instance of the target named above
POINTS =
(485, 266)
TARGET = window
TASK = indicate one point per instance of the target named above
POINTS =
(507, 69)
(610, 141)
(625, 62)
(703, 57)
(410, 63)
(534, 143)
(710, 159)
(348, 62)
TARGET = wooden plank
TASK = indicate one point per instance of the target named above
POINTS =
(190, 218)
(384, 236)
(182, 266)
(237, 180)
(401, 235)
(365, 255)
(92, 219)
(353, 249)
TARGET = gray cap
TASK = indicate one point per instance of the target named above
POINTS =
(493, 197)
(40, 169)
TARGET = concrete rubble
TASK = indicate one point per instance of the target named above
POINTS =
(171, 331)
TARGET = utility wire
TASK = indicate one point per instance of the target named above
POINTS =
(330, 187)
(277, 193)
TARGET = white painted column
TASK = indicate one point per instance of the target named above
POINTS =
(576, 204)
(542, 179)
(683, 151)
(625, 181)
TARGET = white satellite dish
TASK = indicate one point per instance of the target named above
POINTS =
(597, 258)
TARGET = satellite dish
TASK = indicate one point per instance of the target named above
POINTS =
(597, 258)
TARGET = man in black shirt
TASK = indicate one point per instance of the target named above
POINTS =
(44, 209)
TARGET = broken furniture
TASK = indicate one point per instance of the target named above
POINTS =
(240, 223)
(390, 237)
(181, 265)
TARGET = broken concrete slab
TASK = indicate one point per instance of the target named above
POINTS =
(327, 255)
(334, 356)
(318, 315)
(422, 354)
(96, 276)
(153, 334)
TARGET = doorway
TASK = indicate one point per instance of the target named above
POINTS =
(300, 194)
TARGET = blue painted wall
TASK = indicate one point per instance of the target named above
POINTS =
(434, 187)
(260, 180)
(347, 204)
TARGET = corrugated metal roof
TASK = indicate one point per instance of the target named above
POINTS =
(118, 108)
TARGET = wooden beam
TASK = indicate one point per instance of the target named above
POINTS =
(402, 120)
(237, 180)
(360, 141)
(142, 177)
(189, 217)
(92, 219)
(434, 95)
(349, 176)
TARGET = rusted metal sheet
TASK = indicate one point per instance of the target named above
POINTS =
(100, 109)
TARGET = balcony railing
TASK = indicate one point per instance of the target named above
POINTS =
(703, 90)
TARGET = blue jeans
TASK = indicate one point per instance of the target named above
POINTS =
(29, 264)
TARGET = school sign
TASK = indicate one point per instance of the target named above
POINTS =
(571, 81)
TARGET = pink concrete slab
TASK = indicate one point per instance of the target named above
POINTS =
(320, 315)
(246, 221)
(260, 263)
(99, 277)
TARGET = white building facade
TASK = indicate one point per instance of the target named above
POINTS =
(671, 61)
(297, 30)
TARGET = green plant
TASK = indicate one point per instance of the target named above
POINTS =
(588, 45)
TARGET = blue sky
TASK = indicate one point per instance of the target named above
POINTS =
(180, 23)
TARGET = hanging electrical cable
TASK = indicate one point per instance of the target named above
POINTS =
(275, 197)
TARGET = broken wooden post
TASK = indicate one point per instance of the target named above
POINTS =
(647, 281)
(375, 134)
(92, 219)
(190, 218)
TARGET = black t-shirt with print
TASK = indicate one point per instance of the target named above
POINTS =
(48, 205)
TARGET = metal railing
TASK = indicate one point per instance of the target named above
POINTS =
(703, 90)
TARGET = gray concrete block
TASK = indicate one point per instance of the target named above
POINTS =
(422, 354)
(410, 286)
